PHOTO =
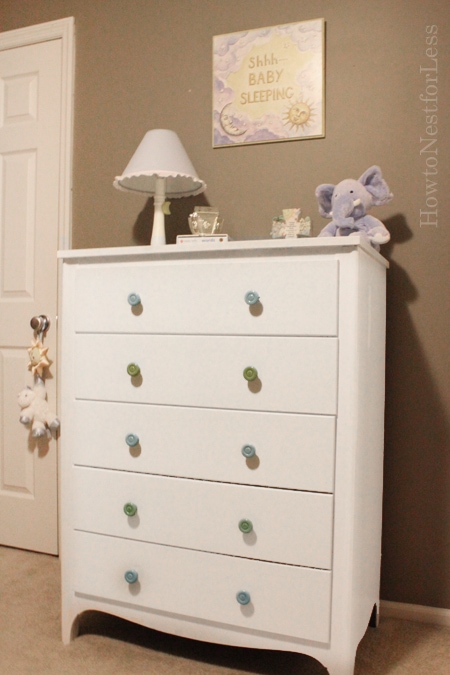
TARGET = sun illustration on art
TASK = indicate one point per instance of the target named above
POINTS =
(38, 357)
(299, 114)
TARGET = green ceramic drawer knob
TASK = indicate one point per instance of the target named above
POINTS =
(243, 597)
(250, 374)
(251, 298)
(132, 440)
(248, 451)
(133, 369)
(134, 299)
(245, 526)
(130, 509)
(131, 576)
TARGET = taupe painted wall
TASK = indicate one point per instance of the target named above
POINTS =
(144, 64)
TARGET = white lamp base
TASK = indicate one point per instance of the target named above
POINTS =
(158, 231)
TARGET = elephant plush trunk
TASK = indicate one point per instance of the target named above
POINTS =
(344, 210)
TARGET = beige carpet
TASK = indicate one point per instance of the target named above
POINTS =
(30, 642)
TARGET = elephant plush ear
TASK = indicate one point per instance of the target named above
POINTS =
(376, 185)
(324, 194)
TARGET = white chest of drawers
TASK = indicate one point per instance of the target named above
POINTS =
(198, 502)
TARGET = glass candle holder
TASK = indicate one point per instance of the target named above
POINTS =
(205, 220)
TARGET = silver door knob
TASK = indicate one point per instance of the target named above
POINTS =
(40, 324)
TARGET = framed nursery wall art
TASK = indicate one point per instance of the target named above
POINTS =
(268, 84)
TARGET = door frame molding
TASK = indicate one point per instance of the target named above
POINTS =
(63, 29)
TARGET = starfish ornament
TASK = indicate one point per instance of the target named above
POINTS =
(38, 357)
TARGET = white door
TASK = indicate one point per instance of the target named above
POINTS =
(34, 163)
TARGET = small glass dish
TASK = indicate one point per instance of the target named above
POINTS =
(205, 220)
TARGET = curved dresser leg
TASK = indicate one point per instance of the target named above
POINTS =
(375, 617)
(344, 666)
(70, 628)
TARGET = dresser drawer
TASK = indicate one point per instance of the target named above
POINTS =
(288, 526)
(291, 450)
(294, 374)
(290, 601)
(297, 297)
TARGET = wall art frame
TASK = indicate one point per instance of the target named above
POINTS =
(269, 84)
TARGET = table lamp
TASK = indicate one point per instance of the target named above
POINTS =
(160, 167)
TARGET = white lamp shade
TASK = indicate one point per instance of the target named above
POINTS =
(161, 155)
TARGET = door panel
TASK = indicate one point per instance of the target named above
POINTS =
(33, 80)
(17, 476)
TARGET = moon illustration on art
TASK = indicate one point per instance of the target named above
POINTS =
(227, 123)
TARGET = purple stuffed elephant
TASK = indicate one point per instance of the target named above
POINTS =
(348, 202)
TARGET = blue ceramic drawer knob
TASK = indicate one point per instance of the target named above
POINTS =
(245, 526)
(131, 576)
(132, 440)
(251, 298)
(250, 374)
(243, 597)
(130, 509)
(248, 451)
(134, 299)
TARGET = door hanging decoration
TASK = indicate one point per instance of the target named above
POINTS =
(268, 84)
(35, 411)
